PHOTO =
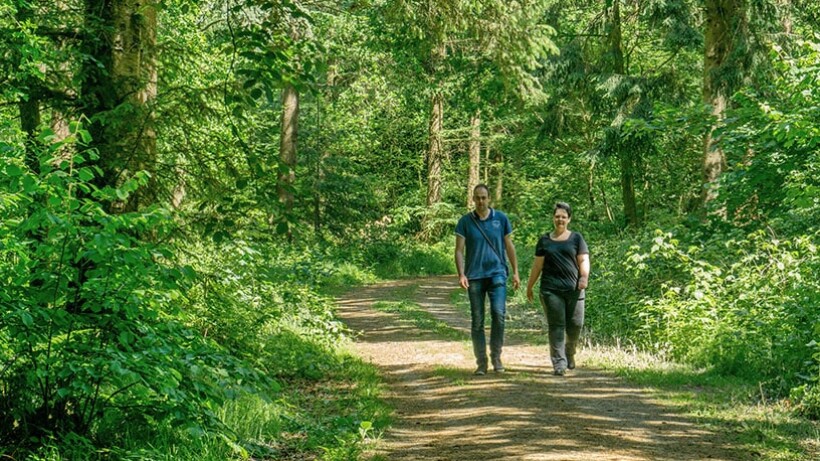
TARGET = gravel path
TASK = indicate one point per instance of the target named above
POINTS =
(444, 413)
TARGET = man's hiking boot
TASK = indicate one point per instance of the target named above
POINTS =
(571, 362)
(497, 366)
(480, 371)
(559, 372)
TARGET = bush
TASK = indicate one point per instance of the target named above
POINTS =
(89, 339)
(741, 305)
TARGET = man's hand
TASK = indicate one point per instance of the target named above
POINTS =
(516, 281)
(462, 280)
(530, 295)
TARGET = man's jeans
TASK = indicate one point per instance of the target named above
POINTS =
(565, 318)
(496, 289)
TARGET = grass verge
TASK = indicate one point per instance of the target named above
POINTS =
(766, 429)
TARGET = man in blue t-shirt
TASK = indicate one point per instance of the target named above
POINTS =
(486, 235)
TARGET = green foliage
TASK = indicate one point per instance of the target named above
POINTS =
(261, 304)
(772, 143)
(89, 337)
(807, 399)
(389, 252)
(740, 305)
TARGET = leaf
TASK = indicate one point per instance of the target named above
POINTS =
(86, 174)
(29, 184)
(85, 136)
(13, 170)
(27, 319)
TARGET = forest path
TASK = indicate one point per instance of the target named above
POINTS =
(444, 413)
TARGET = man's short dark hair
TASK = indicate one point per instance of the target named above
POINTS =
(481, 186)
(563, 206)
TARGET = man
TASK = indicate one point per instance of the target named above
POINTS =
(486, 235)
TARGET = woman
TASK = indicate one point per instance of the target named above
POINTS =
(562, 261)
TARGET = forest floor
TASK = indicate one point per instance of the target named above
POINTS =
(445, 413)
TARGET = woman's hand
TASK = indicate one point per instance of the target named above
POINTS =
(530, 296)
(583, 281)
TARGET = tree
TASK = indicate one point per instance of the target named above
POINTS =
(475, 156)
(725, 30)
(287, 146)
(119, 86)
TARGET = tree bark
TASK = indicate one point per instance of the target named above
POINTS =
(434, 153)
(287, 146)
(626, 158)
(135, 74)
(29, 122)
(499, 178)
(724, 19)
(486, 163)
(29, 108)
(475, 155)
(122, 36)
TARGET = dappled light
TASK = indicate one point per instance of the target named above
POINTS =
(444, 412)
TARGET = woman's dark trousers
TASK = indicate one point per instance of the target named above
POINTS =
(565, 316)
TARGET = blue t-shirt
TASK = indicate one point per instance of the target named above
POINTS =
(481, 261)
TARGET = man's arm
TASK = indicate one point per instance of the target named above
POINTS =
(462, 278)
(508, 244)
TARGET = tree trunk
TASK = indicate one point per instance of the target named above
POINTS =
(498, 166)
(486, 163)
(135, 75)
(475, 155)
(287, 146)
(724, 18)
(591, 184)
(434, 153)
(626, 160)
(29, 108)
(29, 122)
(615, 39)
(122, 37)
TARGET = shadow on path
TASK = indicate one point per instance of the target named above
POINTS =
(443, 412)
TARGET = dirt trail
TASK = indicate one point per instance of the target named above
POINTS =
(444, 413)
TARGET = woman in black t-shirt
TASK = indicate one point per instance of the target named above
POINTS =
(562, 262)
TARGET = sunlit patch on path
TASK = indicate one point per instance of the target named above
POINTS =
(445, 413)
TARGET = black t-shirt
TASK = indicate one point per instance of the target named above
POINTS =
(560, 272)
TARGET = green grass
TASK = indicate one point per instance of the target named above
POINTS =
(731, 405)
(416, 316)
(457, 376)
(331, 419)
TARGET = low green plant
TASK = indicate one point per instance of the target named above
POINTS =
(743, 305)
(419, 318)
(90, 337)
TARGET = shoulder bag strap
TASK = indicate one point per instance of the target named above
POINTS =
(487, 239)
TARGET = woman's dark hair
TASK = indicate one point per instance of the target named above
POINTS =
(563, 206)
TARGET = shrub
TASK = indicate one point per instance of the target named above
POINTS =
(89, 339)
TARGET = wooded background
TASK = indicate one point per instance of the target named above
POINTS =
(182, 179)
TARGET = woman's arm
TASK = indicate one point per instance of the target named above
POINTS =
(535, 272)
(583, 270)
